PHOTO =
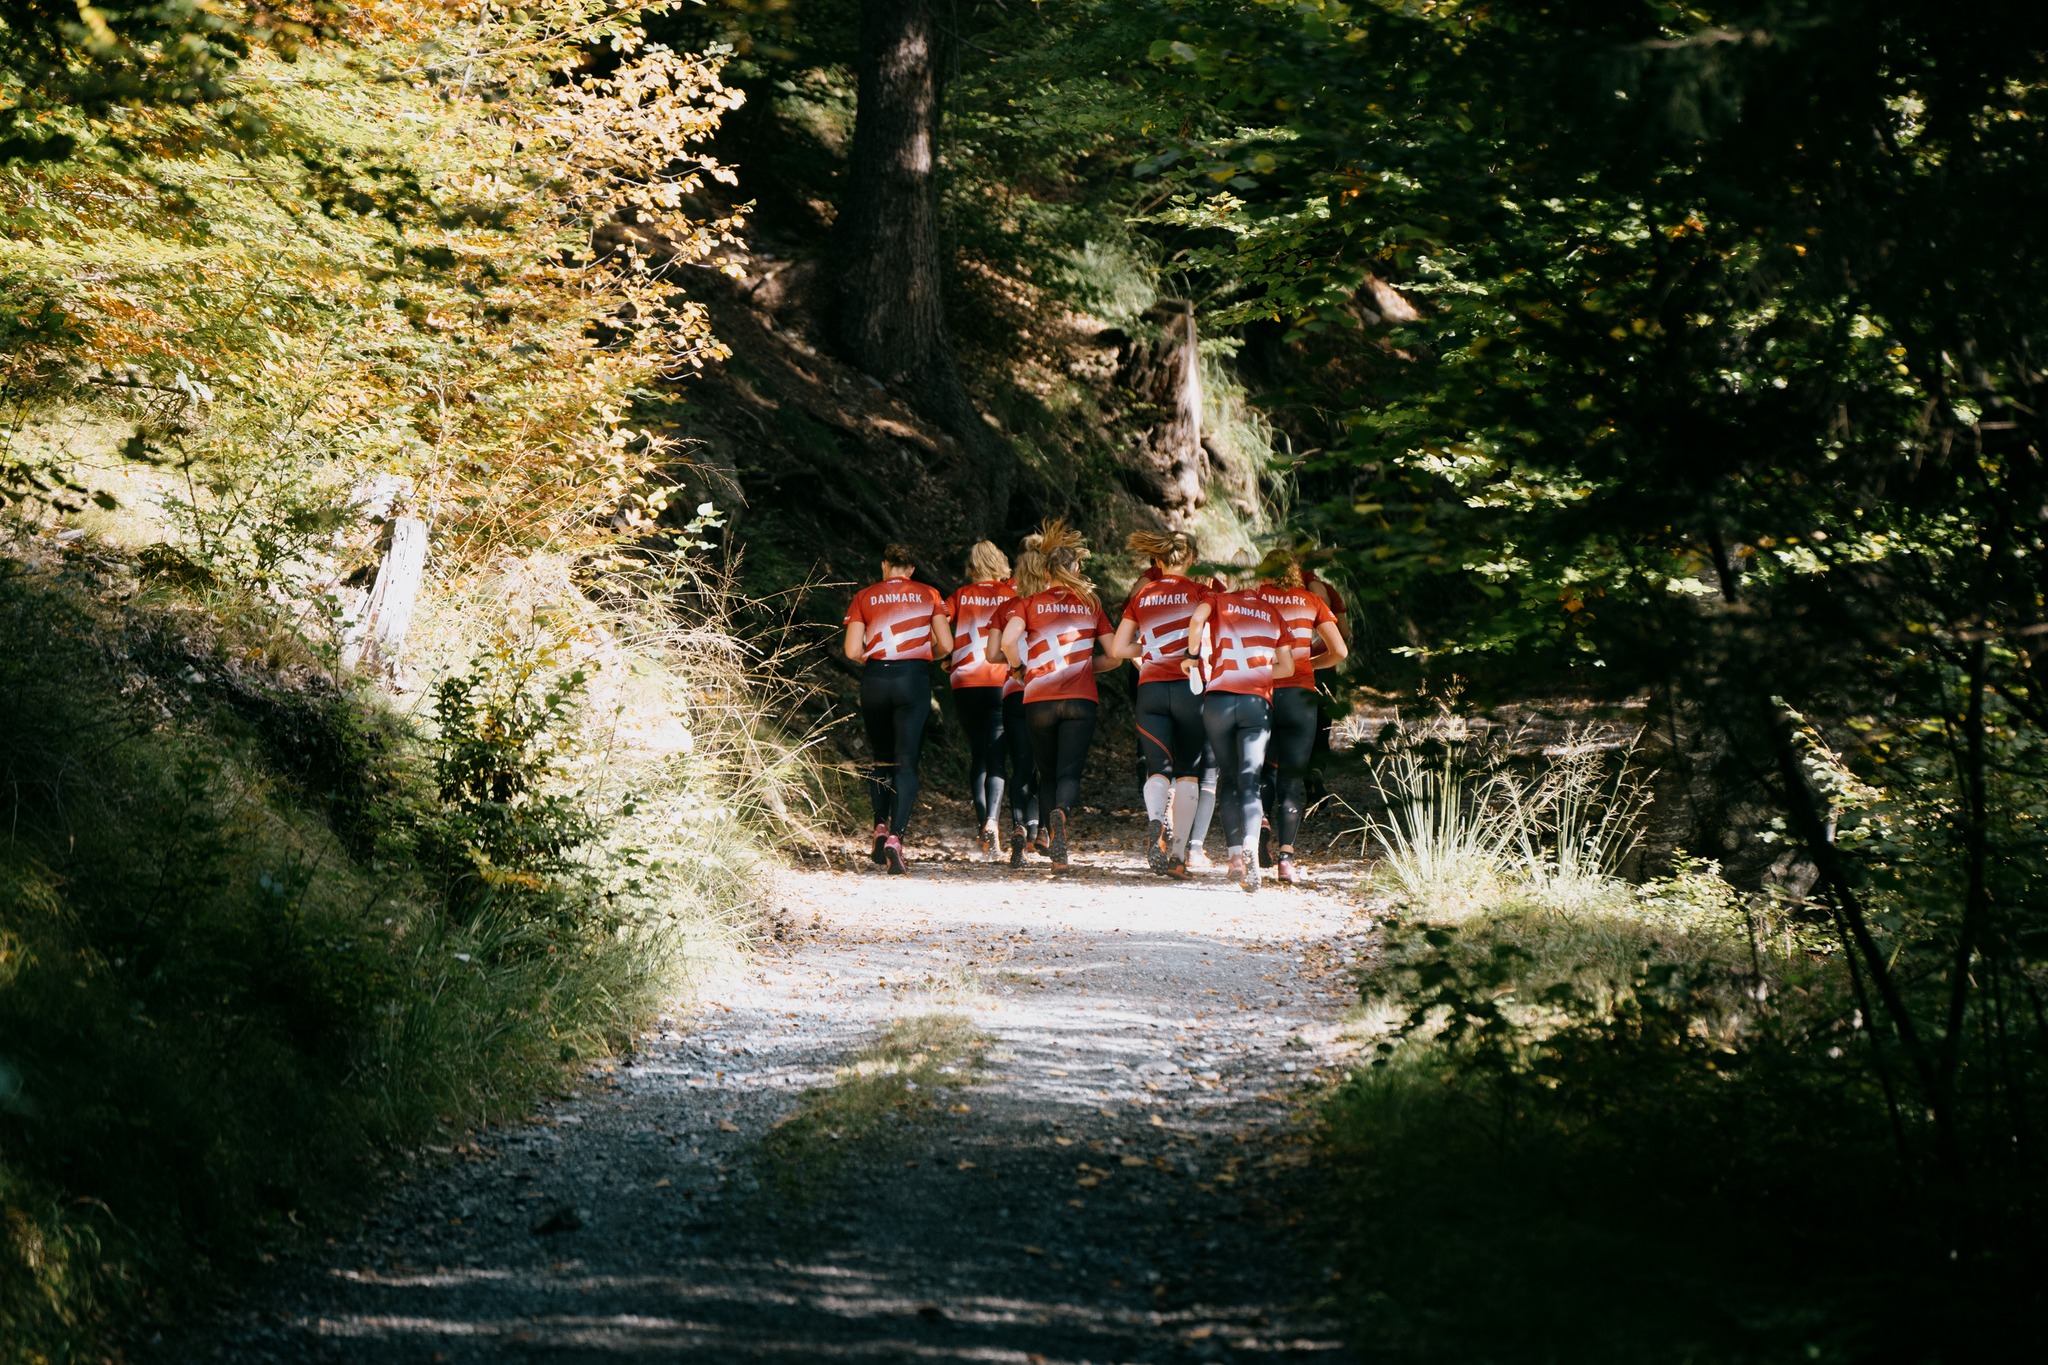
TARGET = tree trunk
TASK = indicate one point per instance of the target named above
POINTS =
(892, 318)
(1166, 377)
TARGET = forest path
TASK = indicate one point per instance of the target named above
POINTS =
(1113, 1187)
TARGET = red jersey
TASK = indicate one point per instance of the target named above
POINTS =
(1244, 630)
(1059, 646)
(896, 619)
(1301, 611)
(973, 610)
(1161, 609)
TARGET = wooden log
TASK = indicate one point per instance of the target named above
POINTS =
(381, 630)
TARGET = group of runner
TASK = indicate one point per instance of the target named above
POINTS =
(1227, 713)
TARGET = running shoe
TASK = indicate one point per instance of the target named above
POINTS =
(1286, 873)
(1199, 860)
(892, 852)
(881, 838)
(1177, 868)
(1266, 843)
(1017, 842)
(1236, 869)
(1155, 846)
(1251, 875)
(1041, 840)
(988, 838)
(1059, 842)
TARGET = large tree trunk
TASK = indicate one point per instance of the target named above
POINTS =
(1165, 377)
(891, 317)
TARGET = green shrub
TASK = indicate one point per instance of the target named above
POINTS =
(217, 1013)
(1644, 1134)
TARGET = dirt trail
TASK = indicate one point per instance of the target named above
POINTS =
(1115, 1188)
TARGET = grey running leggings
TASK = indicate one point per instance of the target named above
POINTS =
(1239, 724)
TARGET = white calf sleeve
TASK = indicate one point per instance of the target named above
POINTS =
(1205, 811)
(1187, 795)
(1157, 789)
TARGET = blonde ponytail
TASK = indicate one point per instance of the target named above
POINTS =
(1169, 551)
(1030, 568)
(1065, 552)
(1281, 566)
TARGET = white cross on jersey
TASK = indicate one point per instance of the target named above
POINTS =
(1159, 642)
(909, 636)
(970, 644)
(1248, 656)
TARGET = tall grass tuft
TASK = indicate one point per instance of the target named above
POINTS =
(1445, 849)
(1465, 827)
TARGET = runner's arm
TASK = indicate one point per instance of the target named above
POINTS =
(1196, 625)
(1333, 652)
(1107, 660)
(1013, 643)
(1125, 644)
(1283, 662)
(942, 635)
(856, 642)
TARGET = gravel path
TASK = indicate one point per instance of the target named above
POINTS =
(1115, 1186)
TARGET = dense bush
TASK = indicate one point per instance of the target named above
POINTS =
(215, 1010)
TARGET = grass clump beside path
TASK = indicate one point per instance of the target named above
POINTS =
(913, 1069)
(259, 933)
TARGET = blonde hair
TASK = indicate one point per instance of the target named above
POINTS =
(1030, 569)
(1065, 552)
(1281, 566)
(986, 562)
(1171, 551)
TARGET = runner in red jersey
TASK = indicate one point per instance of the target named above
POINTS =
(1030, 579)
(1205, 803)
(1326, 590)
(1245, 655)
(1311, 632)
(894, 629)
(1171, 737)
(977, 683)
(1059, 637)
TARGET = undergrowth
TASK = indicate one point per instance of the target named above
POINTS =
(1640, 1123)
(259, 933)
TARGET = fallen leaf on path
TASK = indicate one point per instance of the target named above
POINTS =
(1064, 1142)
(965, 1166)
(1034, 1251)
(727, 1126)
(1134, 1161)
(662, 1183)
(1089, 1181)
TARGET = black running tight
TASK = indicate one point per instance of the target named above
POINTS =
(981, 715)
(895, 701)
(1170, 729)
(1023, 763)
(1295, 712)
(1060, 734)
(1239, 725)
